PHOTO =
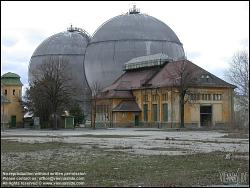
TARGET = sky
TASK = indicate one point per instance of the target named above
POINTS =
(211, 32)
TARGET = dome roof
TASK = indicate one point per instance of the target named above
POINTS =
(10, 75)
(123, 38)
(70, 45)
(134, 27)
(10, 79)
(69, 42)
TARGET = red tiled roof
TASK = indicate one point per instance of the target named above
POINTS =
(170, 72)
(166, 76)
(133, 79)
(121, 94)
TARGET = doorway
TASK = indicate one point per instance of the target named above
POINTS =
(206, 115)
(13, 121)
(136, 120)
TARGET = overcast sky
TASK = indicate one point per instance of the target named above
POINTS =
(211, 32)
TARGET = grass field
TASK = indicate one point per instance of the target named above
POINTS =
(117, 168)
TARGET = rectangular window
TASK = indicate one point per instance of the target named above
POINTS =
(164, 96)
(203, 96)
(5, 91)
(153, 98)
(145, 112)
(155, 112)
(208, 97)
(219, 97)
(215, 97)
(165, 112)
(14, 92)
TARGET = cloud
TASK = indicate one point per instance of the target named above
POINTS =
(193, 55)
(211, 32)
(9, 42)
(34, 36)
(245, 43)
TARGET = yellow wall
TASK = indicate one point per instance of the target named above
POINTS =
(123, 117)
(172, 100)
(115, 117)
(13, 108)
(222, 110)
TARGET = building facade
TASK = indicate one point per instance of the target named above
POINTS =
(147, 94)
(11, 98)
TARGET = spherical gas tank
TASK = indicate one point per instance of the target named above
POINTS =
(70, 45)
(125, 37)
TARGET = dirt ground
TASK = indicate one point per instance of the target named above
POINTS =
(147, 141)
(129, 156)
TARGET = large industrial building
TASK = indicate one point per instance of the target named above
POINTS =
(147, 94)
(101, 58)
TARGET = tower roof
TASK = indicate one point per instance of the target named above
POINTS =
(10, 75)
(10, 79)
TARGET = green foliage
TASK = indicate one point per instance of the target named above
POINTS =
(51, 90)
(45, 125)
(77, 112)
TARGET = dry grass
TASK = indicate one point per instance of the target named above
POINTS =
(116, 168)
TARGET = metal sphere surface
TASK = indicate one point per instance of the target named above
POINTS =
(125, 37)
(70, 45)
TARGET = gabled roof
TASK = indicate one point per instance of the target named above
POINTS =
(166, 77)
(202, 77)
(133, 79)
(118, 94)
(127, 106)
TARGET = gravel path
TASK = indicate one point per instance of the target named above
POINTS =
(141, 141)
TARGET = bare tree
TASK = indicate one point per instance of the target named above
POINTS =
(238, 74)
(183, 78)
(51, 90)
(95, 89)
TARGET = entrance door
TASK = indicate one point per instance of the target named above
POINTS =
(13, 121)
(136, 120)
(206, 115)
